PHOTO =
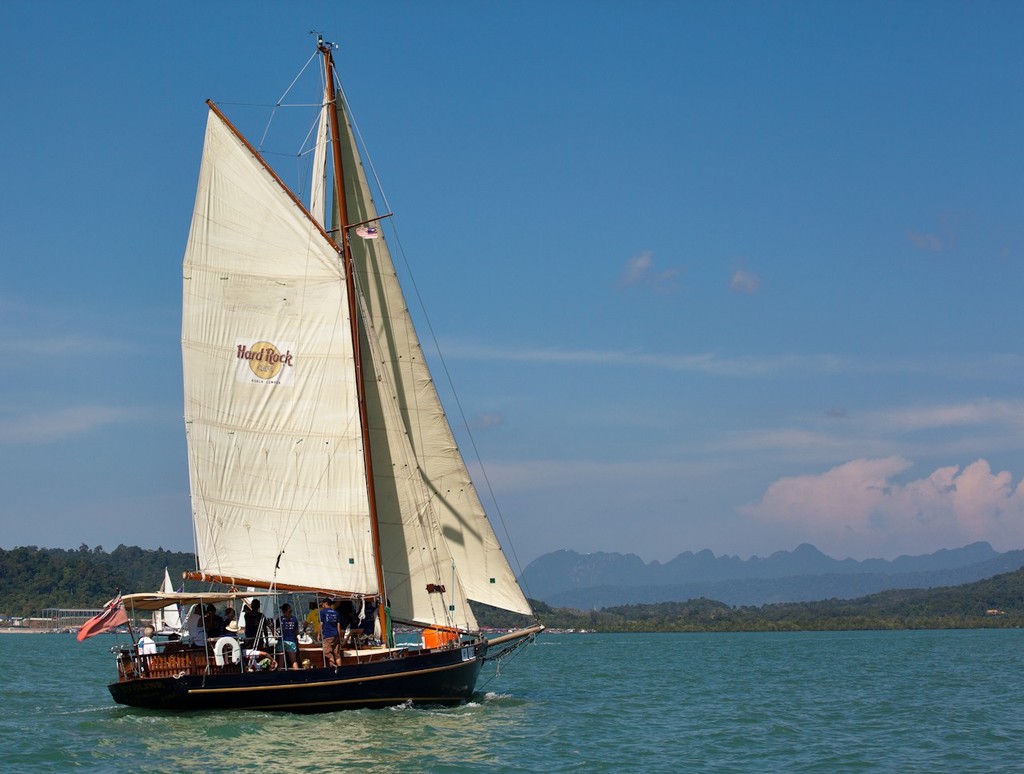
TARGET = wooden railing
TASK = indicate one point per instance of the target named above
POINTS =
(171, 663)
(179, 660)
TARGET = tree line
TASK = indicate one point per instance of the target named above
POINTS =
(993, 602)
(32, 579)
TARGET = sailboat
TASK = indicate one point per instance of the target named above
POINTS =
(167, 620)
(322, 466)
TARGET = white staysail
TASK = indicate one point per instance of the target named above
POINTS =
(274, 443)
(318, 185)
(436, 530)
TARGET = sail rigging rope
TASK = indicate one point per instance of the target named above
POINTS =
(503, 655)
(281, 100)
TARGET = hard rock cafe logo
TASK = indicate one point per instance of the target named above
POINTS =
(265, 360)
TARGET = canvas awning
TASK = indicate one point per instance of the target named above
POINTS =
(158, 600)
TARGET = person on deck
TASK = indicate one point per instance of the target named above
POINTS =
(196, 628)
(312, 624)
(329, 629)
(347, 618)
(255, 625)
(213, 622)
(369, 623)
(288, 630)
(389, 632)
(229, 616)
(146, 645)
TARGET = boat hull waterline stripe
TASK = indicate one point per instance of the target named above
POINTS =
(327, 683)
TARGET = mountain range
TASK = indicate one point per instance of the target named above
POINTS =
(591, 581)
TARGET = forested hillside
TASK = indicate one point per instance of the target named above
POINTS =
(602, 580)
(994, 602)
(32, 579)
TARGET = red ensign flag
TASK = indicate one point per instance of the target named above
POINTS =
(113, 615)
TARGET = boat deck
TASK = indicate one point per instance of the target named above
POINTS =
(176, 660)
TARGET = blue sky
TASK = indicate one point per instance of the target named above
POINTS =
(705, 275)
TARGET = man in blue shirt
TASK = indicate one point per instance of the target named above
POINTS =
(329, 630)
(288, 630)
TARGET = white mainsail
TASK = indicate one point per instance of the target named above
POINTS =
(275, 448)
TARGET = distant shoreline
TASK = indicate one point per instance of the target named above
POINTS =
(24, 630)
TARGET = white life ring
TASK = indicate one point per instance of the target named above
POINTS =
(232, 644)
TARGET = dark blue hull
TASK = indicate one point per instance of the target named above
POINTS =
(446, 676)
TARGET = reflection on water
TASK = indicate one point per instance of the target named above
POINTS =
(395, 739)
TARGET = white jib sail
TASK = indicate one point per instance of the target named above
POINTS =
(451, 502)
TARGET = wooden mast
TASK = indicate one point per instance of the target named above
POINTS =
(353, 311)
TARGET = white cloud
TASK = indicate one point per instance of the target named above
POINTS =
(50, 426)
(63, 346)
(927, 242)
(861, 507)
(965, 429)
(701, 362)
(41, 331)
(966, 413)
(583, 478)
(487, 420)
(713, 363)
(637, 268)
(744, 282)
(640, 272)
(780, 439)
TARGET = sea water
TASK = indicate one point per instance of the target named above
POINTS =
(926, 701)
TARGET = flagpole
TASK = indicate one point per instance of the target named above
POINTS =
(131, 632)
